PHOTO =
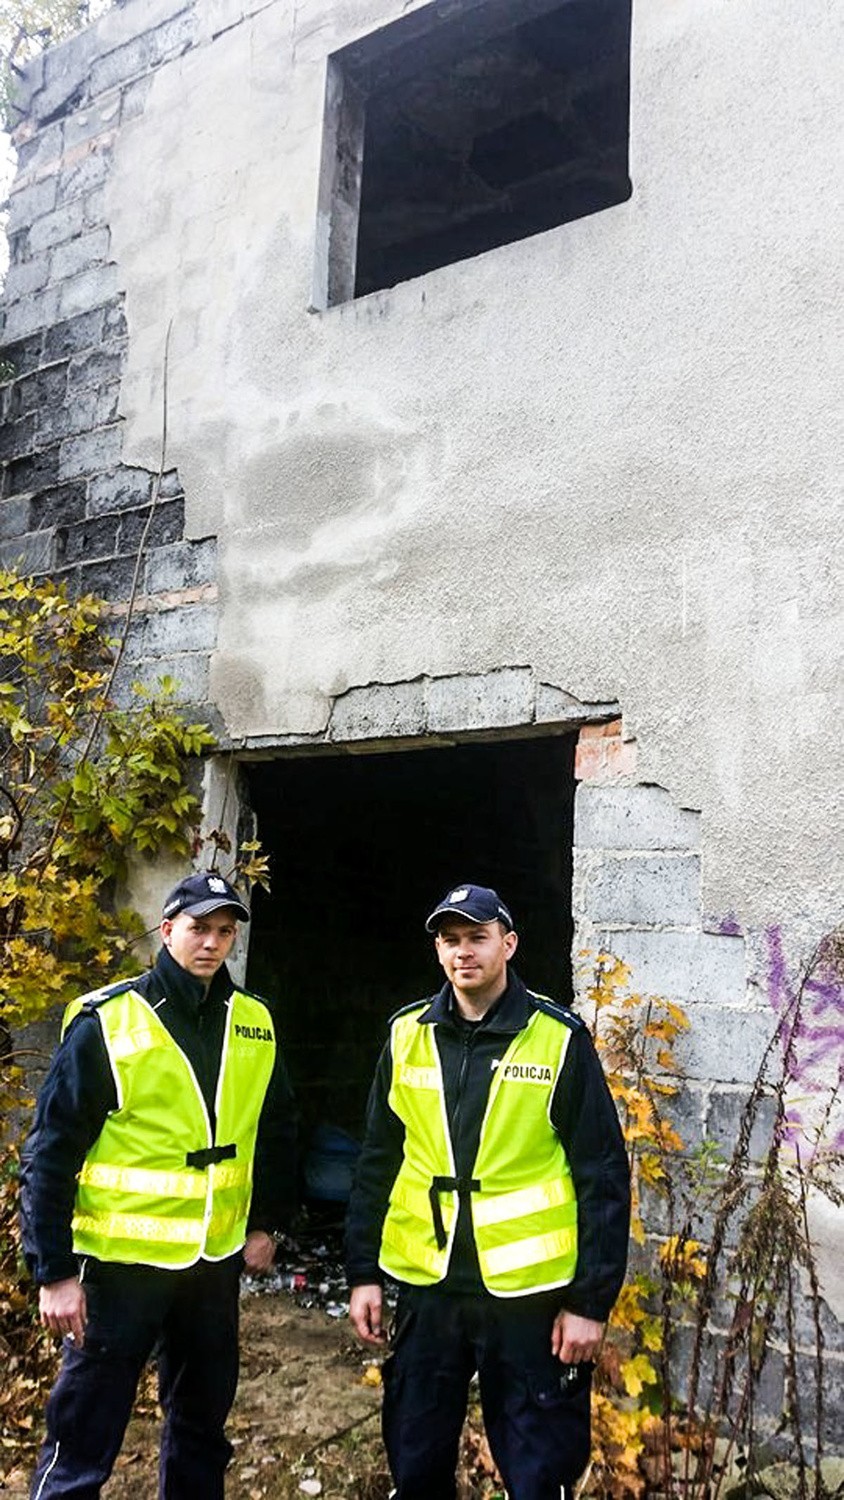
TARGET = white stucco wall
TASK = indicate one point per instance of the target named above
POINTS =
(608, 452)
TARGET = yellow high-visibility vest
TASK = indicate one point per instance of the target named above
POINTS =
(156, 1188)
(523, 1205)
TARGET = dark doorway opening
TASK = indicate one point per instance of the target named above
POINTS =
(362, 847)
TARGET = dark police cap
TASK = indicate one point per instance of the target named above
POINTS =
(475, 903)
(204, 893)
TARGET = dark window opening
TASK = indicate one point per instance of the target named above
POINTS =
(362, 848)
(458, 129)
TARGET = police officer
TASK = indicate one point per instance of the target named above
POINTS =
(493, 1186)
(159, 1163)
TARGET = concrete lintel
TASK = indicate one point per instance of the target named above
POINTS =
(554, 705)
(432, 712)
(483, 700)
(378, 711)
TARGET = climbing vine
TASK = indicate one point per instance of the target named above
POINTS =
(85, 783)
(715, 1292)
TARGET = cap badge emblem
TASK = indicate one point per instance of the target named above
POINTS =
(459, 895)
(214, 883)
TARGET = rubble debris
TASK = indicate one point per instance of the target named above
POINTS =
(309, 1267)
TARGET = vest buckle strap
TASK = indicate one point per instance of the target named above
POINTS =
(460, 1185)
(210, 1155)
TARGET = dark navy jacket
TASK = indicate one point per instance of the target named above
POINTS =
(582, 1112)
(79, 1092)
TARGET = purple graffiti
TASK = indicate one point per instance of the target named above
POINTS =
(811, 1011)
(730, 926)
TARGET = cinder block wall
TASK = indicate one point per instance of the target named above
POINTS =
(68, 505)
(637, 896)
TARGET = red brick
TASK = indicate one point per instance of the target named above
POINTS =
(601, 731)
(602, 755)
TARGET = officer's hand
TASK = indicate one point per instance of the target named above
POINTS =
(63, 1308)
(575, 1339)
(365, 1309)
(259, 1251)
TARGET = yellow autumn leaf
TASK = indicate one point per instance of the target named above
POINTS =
(637, 1373)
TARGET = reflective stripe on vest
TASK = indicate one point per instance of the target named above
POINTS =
(137, 1198)
(524, 1211)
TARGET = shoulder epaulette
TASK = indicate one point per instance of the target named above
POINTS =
(405, 1010)
(251, 995)
(559, 1012)
(96, 998)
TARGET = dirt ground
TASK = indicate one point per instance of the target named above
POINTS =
(305, 1422)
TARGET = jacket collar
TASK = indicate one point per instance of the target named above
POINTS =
(509, 1014)
(184, 990)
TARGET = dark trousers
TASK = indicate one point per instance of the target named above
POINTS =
(537, 1419)
(190, 1320)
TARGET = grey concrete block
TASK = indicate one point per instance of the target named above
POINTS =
(61, 421)
(94, 211)
(61, 506)
(379, 711)
(97, 120)
(91, 289)
(120, 65)
(133, 98)
(24, 355)
(174, 37)
(87, 541)
(106, 404)
(74, 335)
(31, 202)
(37, 310)
(84, 176)
(632, 817)
(166, 525)
(80, 254)
(16, 438)
(190, 627)
(182, 565)
(62, 224)
(686, 1111)
(724, 1117)
(70, 62)
(26, 277)
(60, 96)
(115, 325)
(724, 1044)
(26, 86)
(832, 1332)
(97, 367)
(638, 889)
(44, 388)
(488, 700)
(170, 485)
(91, 453)
(833, 1396)
(190, 670)
(110, 580)
(680, 965)
(14, 517)
(31, 553)
(35, 471)
(123, 489)
(42, 150)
